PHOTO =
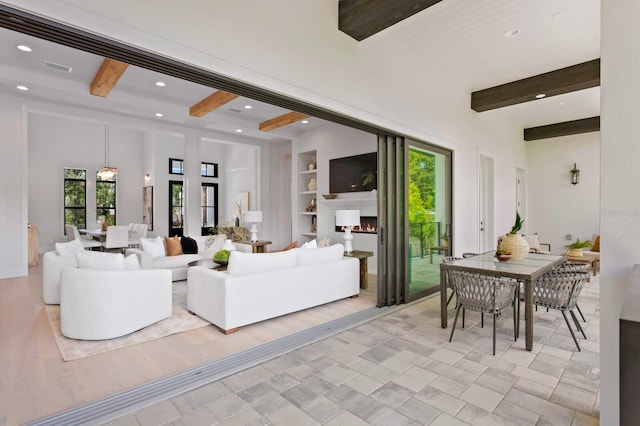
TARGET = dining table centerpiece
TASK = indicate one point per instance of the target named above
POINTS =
(513, 241)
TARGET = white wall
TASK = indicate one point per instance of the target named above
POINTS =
(620, 206)
(557, 207)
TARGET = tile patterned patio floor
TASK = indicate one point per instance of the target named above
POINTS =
(400, 369)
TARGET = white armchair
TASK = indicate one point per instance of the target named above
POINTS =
(101, 304)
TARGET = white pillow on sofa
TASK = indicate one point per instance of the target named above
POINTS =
(153, 246)
(100, 260)
(70, 248)
(310, 244)
(534, 242)
(241, 263)
(321, 255)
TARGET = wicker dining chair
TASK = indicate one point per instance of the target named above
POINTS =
(561, 291)
(448, 259)
(469, 254)
(574, 267)
(483, 293)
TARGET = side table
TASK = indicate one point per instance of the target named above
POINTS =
(257, 246)
(362, 257)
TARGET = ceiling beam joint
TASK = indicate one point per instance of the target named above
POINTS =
(567, 128)
(107, 77)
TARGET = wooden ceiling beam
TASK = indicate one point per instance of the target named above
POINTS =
(283, 120)
(567, 128)
(363, 18)
(210, 103)
(107, 76)
(565, 80)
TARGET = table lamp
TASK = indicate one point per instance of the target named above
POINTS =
(348, 219)
(253, 216)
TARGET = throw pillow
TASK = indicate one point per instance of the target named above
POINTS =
(131, 263)
(70, 248)
(100, 260)
(534, 242)
(241, 263)
(293, 245)
(173, 246)
(310, 244)
(153, 246)
(189, 245)
(596, 244)
(321, 255)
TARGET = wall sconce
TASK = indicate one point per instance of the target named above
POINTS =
(575, 175)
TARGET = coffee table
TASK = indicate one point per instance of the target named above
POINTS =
(208, 263)
(585, 258)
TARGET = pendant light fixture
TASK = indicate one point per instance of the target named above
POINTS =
(106, 173)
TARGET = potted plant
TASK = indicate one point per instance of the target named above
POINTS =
(513, 241)
(575, 248)
(503, 255)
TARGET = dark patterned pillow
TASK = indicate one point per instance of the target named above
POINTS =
(189, 245)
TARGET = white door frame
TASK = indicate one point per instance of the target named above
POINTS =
(486, 201)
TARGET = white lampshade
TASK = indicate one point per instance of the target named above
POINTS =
(347, 217)
(253, 216)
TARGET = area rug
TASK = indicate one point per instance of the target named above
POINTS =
(180, 321)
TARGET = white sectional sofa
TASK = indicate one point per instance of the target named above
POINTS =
(179, 264)
(259, 286)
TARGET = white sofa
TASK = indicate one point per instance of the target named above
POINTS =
(103, 304)
(260, 286)
(179, 264)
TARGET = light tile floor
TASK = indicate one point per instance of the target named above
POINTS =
(401, 370)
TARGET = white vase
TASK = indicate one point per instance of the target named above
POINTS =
(516, 245)
(312, 184)
(228, 245)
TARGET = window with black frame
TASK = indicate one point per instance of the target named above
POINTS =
(75, 197)
(209, 206)
(176, 208)
(176, 166)
(106, 197)
(209, 170)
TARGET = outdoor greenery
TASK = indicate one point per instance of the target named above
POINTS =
(422, 228)
(106, 199)
(75, 197)
(577, 244)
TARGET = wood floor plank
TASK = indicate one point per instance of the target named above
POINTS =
(36, 382)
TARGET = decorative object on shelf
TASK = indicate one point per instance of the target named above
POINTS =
(329, 196)
(253, 216)
(513, 241)
(222, 256)
(575, 175)
(313, 184)
(575, 248)
(324, 242)
(107, 173)
(312, 166)
(313, 205)
(228, 245)
(314, 224)
(348, 219)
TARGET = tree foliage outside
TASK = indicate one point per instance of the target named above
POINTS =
(106, 199)
(422, 228)
(75, 197)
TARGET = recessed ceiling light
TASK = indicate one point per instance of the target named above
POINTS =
(540, 96)
(248, 107)
(24, 48)
(22, 88)
(239, 130)
(160, 83)
(305, 121)
(512, 32)
(159, 114)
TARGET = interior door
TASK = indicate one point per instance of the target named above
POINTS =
(485, 203)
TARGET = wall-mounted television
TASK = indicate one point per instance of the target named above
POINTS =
(353, 174)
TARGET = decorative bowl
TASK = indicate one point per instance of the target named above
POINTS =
(329, 196)
(503, 257)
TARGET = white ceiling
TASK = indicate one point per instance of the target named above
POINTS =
(463, 38)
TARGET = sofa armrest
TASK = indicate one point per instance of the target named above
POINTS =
(145, 259)
(52, 266)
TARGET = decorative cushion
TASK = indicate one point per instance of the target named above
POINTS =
(293, 245)
(100, 260)
(310, 244)
(534, 242)
(241, 263)
(131, 263)
(596, 244)
(70, 248)
(173, 246)
(189, 245)
(153, 246)
(321, 255)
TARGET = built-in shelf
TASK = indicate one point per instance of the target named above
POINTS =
(308, 213)
(308, 192)
(370, 202)
(309, 234)
(306, 220)
(308, 172)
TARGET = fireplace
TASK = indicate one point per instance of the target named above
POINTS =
(368, 225)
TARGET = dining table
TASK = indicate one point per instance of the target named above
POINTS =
(96, 233)
(526, 270)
